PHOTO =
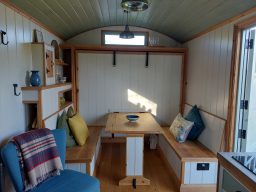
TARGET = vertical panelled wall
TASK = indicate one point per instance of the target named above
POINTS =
(129, 86)
(208, 71)
(15, 61)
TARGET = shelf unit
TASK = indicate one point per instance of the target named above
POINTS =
(44, 100)
(69, 69)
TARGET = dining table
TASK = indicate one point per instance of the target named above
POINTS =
(117, 123)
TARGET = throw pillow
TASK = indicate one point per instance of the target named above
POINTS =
(70, 112)
(62, 123)
(194, 116)
(79, 128)
(180, 128)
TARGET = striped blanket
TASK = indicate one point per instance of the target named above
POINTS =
(38, 155)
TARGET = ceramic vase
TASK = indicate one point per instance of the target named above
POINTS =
(35, 78)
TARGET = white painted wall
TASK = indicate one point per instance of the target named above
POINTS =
(15, 61)
(208, 74)
(214, 127)
(93, 37)
(130, 86)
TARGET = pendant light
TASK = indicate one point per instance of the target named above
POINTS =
(134, 5)
(126, 34)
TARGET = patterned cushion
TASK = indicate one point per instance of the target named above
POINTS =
(194, 116)
(180, 128)
(62, 123)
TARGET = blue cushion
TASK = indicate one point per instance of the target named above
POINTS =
(194, 116)
(69, 181)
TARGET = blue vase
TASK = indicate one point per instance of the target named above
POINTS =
(35, 78)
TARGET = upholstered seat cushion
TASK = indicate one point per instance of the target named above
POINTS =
(70, 181)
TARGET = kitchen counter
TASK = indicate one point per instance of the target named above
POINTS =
(237, 170)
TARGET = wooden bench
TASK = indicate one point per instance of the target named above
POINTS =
(85, 158)
(188, 160)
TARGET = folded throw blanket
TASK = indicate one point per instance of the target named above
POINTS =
(38, 155)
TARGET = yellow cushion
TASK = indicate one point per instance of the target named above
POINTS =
(78, 128)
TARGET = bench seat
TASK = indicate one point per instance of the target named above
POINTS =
(84, 158)
(187, 161)
(189, 150)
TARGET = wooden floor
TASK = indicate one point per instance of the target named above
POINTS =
(112, 169)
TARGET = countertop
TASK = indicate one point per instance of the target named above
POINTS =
(242, 174)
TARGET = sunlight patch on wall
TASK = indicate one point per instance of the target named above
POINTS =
(142, 102)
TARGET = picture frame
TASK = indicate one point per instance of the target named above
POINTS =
(49, 65)
(38, 36)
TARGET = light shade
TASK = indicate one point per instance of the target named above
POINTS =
(126, 34)
(134, 5)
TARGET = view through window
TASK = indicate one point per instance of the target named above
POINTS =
(112, 38)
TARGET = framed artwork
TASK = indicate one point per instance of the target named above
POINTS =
(49, 65)
(38, 36)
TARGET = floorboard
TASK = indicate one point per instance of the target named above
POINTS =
(112, 169)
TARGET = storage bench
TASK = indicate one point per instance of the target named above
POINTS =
(85, 158)
(194, 165)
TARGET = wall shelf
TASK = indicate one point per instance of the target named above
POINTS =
(61, 64)
(44, 87)
(46, 99)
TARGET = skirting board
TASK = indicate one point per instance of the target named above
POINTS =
(198, 188)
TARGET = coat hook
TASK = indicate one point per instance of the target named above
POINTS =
(114, 59)
(147, 64)
(15, 89)
(3, 33)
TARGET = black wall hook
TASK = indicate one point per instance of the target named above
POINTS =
(114, 59)
(147, 64)
(3, 33)
(15, 89)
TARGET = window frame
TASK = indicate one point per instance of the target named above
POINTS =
(114, 32)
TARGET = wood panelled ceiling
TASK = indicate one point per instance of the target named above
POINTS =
(179, 19)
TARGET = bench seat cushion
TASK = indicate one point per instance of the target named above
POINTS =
(70, 181)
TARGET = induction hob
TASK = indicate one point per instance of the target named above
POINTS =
(248, 161)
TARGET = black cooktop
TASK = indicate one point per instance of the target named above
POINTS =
(248, 161)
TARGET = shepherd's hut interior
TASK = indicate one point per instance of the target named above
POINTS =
(127, 95)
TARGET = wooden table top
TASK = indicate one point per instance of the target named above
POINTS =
(146, 124)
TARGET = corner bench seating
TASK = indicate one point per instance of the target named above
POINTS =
(84, 158)
(187, 161)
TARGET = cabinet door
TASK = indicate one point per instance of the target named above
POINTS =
(230, 184)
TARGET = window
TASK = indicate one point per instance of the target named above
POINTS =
(112, 38)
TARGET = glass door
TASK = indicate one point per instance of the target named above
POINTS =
(246, 103)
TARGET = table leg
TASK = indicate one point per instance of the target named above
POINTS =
(134, 161)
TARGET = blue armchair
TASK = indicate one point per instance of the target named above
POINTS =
(67, 181)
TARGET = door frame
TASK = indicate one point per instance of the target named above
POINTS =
(234, 81)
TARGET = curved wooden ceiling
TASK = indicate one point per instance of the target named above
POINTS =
(179, 19)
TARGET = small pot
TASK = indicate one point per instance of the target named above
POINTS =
(35, 78)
